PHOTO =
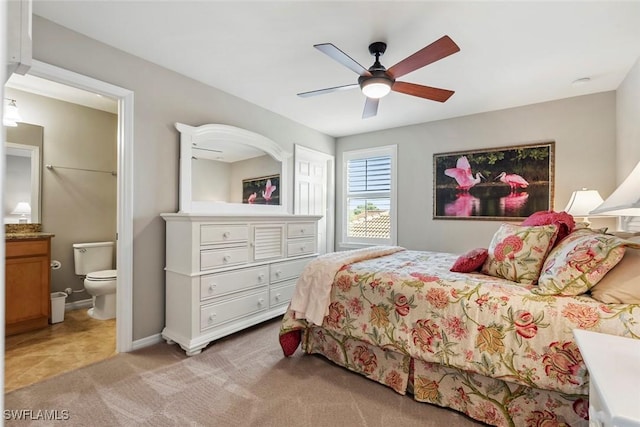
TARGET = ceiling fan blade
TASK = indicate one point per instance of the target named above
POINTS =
(370, 107)
(427, 92)
(327, 90)
(338, 55)
(437, 50)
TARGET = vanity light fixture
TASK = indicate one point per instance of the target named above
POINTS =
(23, 209)
(11, 115)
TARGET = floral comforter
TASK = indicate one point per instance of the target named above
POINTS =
(409, 302)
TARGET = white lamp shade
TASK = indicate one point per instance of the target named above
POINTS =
(582, 202)
(22, 208)
(625, 201)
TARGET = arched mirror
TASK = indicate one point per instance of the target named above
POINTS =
(225, 169)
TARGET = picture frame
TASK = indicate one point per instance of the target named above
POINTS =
(503, 183)
(264, 190)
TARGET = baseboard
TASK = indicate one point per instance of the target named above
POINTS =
(136, 345)
(76, 305)
(146, 342)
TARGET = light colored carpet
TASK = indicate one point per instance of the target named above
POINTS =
(242, 380)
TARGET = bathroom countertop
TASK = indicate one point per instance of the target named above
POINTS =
(28, 236)
(30, 231)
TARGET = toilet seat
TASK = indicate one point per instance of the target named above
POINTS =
(103, 275)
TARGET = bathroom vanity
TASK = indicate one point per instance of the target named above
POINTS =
(27, 281)
(226, 273)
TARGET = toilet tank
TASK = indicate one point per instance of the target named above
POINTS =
(90, 257)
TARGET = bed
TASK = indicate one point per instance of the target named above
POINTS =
(497, 349)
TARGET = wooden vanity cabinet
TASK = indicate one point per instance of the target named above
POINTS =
(27, 284)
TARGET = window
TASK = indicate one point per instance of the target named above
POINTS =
(369, 196)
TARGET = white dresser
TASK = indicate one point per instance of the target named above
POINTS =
(226, 273)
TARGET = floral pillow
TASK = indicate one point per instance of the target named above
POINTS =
(471, 261)
(517, 252)
(580, 261)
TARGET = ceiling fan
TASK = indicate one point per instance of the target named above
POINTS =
(377, 81)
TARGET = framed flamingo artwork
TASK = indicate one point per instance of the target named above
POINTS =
(506, 183)
(261, 191)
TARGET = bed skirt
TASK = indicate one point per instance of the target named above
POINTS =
(492, 401)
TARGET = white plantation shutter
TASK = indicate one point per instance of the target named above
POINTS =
(370, 196)
(368, 176)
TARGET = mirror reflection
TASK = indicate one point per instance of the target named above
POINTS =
(224, 180)
(225, 169)
(22, 202)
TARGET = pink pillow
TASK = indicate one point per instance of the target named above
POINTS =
(562, 220)
(471, 261)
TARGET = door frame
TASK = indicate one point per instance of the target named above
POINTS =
(124, 227)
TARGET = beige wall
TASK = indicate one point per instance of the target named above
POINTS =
(162, 97)
(628, 123)
(77, 206)
(582, 127)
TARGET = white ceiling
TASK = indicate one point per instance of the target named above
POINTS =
(512, 53)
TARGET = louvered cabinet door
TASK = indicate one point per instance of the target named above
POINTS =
(268, 241)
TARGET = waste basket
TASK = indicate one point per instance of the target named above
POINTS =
(57, 306)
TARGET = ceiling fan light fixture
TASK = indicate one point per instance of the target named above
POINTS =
(376, 87)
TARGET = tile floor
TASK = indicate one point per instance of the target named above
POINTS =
(77, 341)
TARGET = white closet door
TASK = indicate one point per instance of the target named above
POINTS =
(312, 193)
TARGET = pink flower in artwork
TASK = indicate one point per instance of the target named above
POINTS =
(268, 191)
(252, 198)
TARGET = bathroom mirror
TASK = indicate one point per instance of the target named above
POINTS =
(225, 169)
(23, 180)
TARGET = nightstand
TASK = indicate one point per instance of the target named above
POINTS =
(614, 371)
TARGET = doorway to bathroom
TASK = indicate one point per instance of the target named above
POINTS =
(121, 214)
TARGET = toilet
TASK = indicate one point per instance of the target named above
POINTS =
(94, 261)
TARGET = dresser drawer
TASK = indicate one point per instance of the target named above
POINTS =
(216, 234)
(215, 285)
(282, 294)
(287, 270)
(235, 308)
(301, 229)
(26, 248)
(215, 258)
(297, 247)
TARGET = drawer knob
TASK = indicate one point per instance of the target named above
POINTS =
(302, 230)
(277, 297)
(212, 317)
(226, 258)
(225, 235)
(278, 273)
(260, 301)
(260, 277)
(301, 248)
(212, 287)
